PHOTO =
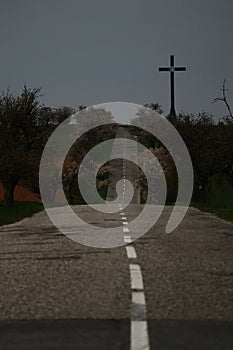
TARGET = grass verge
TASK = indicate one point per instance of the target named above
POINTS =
(19, 211)
(222, 212)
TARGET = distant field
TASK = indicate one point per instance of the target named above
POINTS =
(19, 211)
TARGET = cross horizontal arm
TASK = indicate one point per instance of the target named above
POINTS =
(180, 69)
(172, 69)
(164, 69)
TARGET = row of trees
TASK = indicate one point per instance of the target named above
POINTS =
(25, 126)
(210, 147)
(209, 144)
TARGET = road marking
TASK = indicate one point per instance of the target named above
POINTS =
(138, 298)
(131, 252)
(136, 277)
(127, 239)
(138, 308)
(139, 336)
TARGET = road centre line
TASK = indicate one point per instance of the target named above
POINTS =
(127, 239)
(131, 252)
(139, 336)
(136, 277)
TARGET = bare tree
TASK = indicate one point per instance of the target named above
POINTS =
(223, 98)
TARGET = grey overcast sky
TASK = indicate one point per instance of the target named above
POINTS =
(94, 51)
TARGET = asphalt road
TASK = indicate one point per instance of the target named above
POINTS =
(58, 294)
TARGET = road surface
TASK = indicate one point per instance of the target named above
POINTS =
(57, 294)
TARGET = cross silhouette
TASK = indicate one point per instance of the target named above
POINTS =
(172, 69)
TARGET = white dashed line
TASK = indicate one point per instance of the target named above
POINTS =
(138, 309)
(138, 298)
(136, 277)
(131, 252)
(127, 239)
(139, 339)
(139, 336)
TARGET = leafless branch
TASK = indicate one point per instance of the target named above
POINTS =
(223, 98)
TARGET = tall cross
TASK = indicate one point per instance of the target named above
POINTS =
(172, 69)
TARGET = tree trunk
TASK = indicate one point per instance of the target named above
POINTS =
(202, 196)
(9, 188)
(202, 191)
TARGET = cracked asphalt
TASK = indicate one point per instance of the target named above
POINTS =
(188, 279)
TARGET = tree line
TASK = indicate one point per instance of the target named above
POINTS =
(209, 142)
(25, 126)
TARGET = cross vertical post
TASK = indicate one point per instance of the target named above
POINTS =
(172, 86)
(172, 69)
